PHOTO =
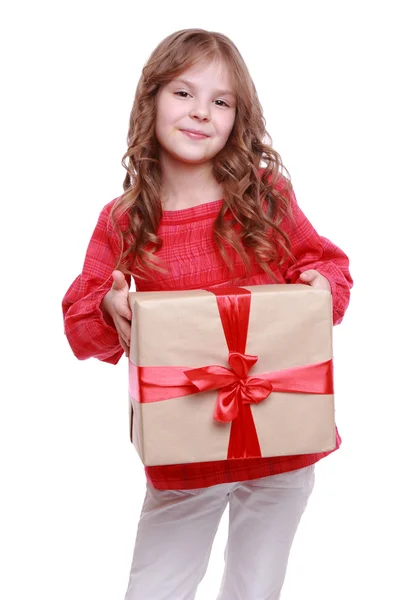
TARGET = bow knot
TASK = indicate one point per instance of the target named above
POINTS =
(241, 363)
(234, 384)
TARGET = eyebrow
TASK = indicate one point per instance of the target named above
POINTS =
(193, 85)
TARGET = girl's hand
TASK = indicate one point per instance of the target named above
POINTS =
(315, 279)
(115, 306)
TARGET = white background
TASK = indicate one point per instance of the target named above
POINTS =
(71, 483)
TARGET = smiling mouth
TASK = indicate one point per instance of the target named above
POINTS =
(194, 135)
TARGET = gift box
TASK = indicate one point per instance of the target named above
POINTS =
(231, 373)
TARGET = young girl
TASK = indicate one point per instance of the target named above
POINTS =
(205, 204)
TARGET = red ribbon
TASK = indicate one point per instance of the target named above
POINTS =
(237, 390)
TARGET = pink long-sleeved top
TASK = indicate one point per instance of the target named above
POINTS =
(194, 262)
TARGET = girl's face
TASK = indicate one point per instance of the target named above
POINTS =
(195, 113)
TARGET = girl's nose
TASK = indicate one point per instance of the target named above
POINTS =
(201, 113)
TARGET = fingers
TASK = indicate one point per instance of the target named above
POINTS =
(120, 291)
(119, 282)
(309, 276)
(124, 346)
(123, 328)
(315, 279)
(116, 309)
(122, 309)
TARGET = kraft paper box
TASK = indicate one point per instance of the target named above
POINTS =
(273, 398)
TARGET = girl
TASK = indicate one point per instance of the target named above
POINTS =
(205, 204)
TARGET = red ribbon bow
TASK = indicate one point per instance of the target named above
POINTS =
(234, 385)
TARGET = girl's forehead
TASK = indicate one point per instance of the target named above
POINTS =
(216, 70)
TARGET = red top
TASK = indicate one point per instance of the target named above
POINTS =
(194, 262)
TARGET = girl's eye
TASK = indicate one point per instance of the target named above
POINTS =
(183, 94)
(223, 103)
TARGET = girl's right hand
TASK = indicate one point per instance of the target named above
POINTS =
(115, 306)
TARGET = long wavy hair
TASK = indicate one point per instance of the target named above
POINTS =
(256, 192)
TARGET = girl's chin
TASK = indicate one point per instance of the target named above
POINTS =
(189, 159)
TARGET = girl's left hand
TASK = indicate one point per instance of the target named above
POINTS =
(315, 279)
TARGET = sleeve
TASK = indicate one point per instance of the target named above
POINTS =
(311, 251)
(87, 332)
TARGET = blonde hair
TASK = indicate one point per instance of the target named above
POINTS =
(257, 201)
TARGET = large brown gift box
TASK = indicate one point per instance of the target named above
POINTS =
(231, 373)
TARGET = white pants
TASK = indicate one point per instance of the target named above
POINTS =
(176, 530)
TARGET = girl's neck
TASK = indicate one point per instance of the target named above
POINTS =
(185, 185)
